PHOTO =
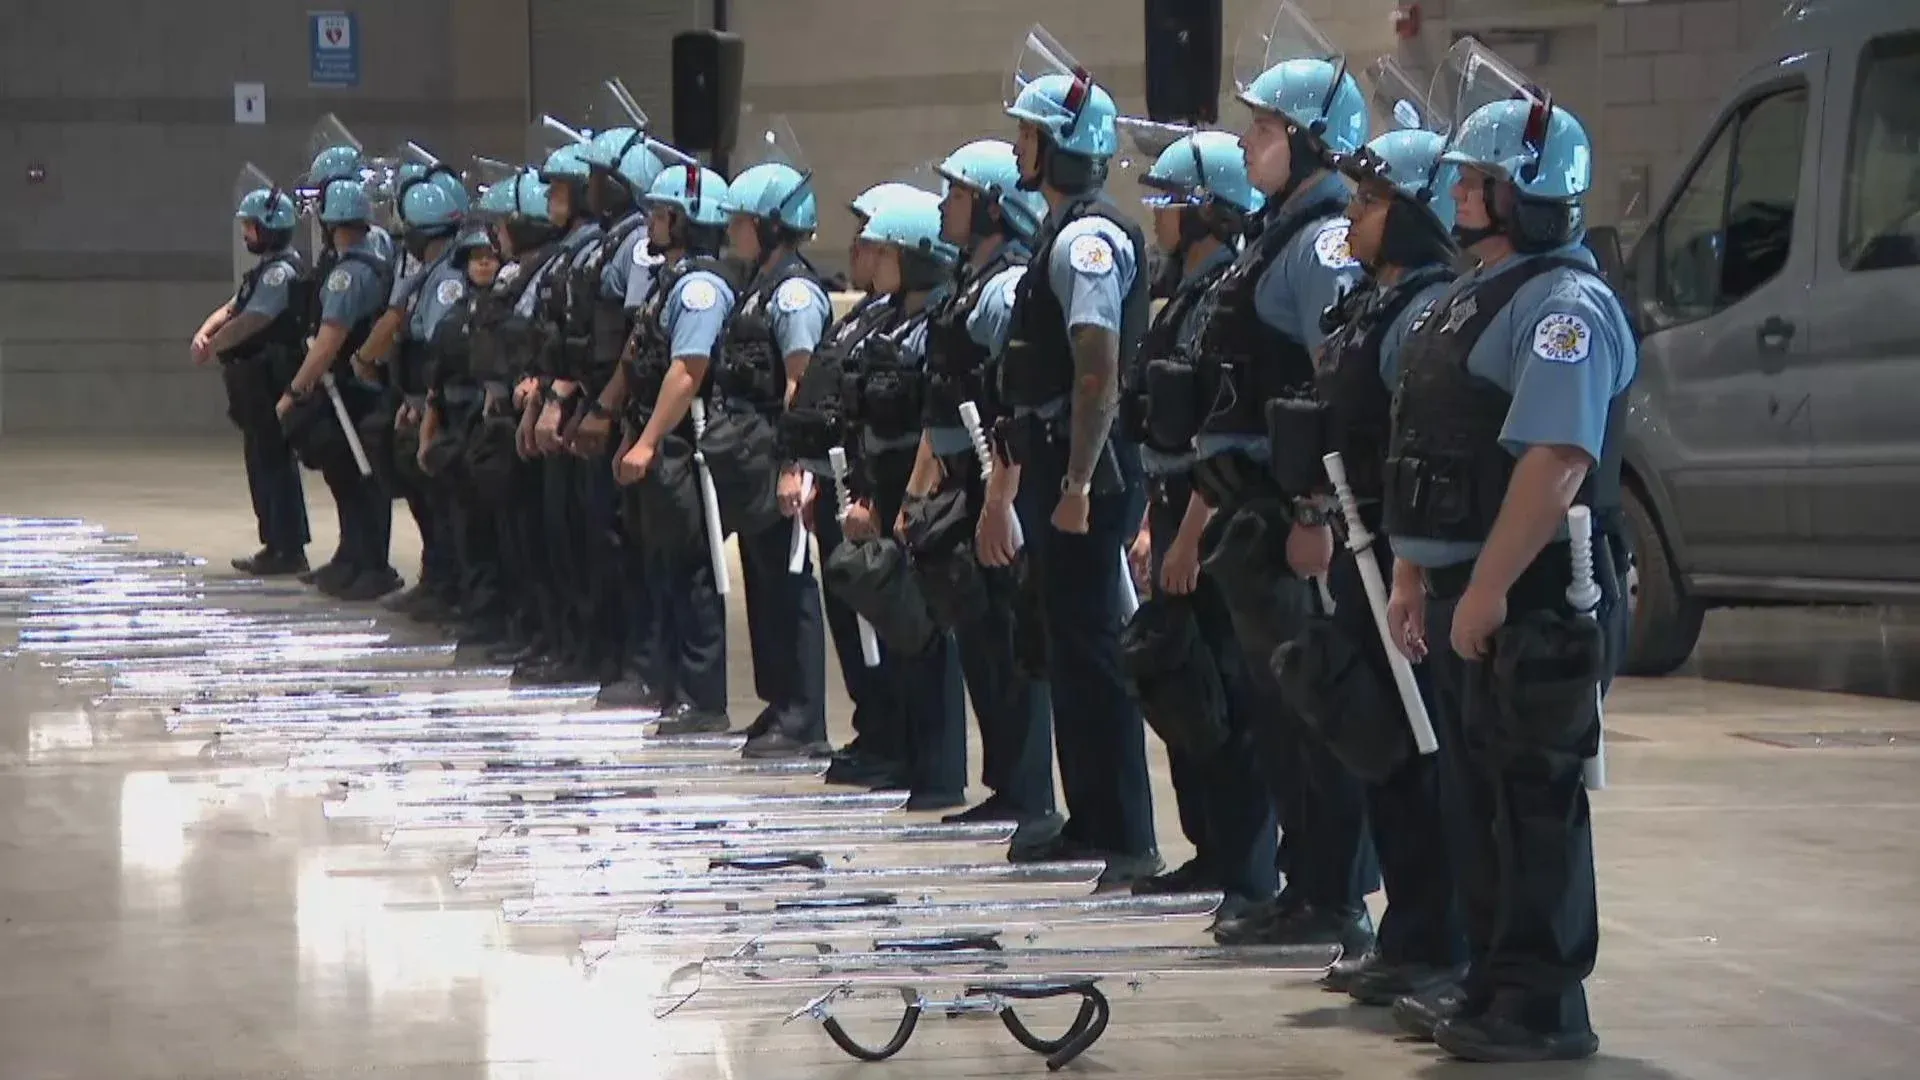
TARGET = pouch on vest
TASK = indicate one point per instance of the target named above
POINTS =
(872, 578)
(741, 455)
(1332, 682)
(1296, 441)
(1432, 496)
(811, 425)
(1174, 677)
(668, 501)
(1544, 676)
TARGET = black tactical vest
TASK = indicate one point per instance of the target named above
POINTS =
(815, 421)
(566, 306)
(360, 331)
(751, 370)
(608, 324)
(505, 342)
(883, 389)
(652, 355)
(1037, 366)
(956, 365)
(287, 332)
(1446, 472)
(1244, 362)
(1160, 406)
(1359, 404)
(412, 359)
(449, 358)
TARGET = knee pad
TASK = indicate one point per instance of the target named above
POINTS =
(1345, 698)
(1173, 675)
(872, 578)
(1544, 673)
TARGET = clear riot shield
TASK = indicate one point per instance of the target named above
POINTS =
(549, 133)
(252, 178)
(1473, 76)
(1393, 92)
(1281, 34)
(1041, 54)
(492, 182)
(612, 106)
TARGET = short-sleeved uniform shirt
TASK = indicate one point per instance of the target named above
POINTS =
(269, 299)
(353, 290)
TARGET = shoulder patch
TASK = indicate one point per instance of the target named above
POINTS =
(1331, 248)
(698, 295)
(793, 295)
(450, 291)
(1010, 292)
(1562, 338)
(340, 280)
(278, 274)
(1091, 254)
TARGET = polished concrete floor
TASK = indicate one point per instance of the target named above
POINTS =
(1758, 887)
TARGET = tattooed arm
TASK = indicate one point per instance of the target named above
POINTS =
(1096, 398)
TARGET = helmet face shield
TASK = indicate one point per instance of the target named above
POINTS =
(1044, 62)
(1473, 77)
(1280, 34)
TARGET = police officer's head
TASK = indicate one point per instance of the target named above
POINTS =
(611, 194)
(440, 176)
(770, 207)
(1525, 167)
(910, 255)
(985, 198)
(515, 209)
(635, 171)
(473, 253)
(567, 174)
(861, 251)
(1305, 110)
(1402, 207)
(266, 219)
(686, 208)
(346, 213)
(427, 214)
(1200, 191)
(1066, 133)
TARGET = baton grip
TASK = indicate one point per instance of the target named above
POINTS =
(837, 460)
(797, 552)
(710, 503)
(1583, 595)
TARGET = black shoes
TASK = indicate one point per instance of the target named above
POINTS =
(629, 692)
(1496, 1039)
(1285, 922)
(1380, 983)
(270, 563)
(1422, 1014)
(773, 743)
(1031, 831)
(1123, 870)
(1189, 876)
(366, 585)
(684, 719)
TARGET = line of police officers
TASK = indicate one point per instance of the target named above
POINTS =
(988, 439)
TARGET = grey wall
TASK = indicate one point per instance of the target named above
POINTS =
(106, 268)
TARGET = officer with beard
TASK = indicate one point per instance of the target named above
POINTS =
(779, 319)
(1401, 211)
(676, 336)
(353, 293)
(993, 222)
(1201, 199)
(256, 336)
(1257, 345)
(1076, 323)
(616, 276)
(1512, 389)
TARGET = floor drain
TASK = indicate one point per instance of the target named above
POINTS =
(1832, 740)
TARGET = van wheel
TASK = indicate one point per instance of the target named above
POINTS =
(1666, 621)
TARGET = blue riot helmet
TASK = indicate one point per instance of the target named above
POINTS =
(615, 126)
(695, 199)
(272, 212)
(563, 155)
(1284, 66)
(1201, 175)
(417, 164)
(335, 155)
(990, 170)
(1507, 129)
(426, 215)
(870, 200)
(1057, 95)
(1403, 166)
(346, 203)
(775, 192)
(907, 221)
(496, 182)
(465, 246)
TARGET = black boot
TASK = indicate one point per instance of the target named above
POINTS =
(1421, 1014)
(1383, 983)
(1496, 1038)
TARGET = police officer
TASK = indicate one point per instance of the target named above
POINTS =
(676, 335)
(1512, 387)
(256, 336)
(617, 274)
(1076, 323)
(992, 221)
(1201, 199)
(779, 318)
(1261, 331)
(353, 292)
(1400, 214)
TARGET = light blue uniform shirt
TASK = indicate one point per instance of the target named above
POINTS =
(269, 297)
(1184, 336)
(696, 314)
(798, 313)
(627, 273)
(406, 281)
(353, 290)
(1091, 269)
(987, 324)
(1563, 348)
(442, 286)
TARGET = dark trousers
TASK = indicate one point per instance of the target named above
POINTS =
(477, 550)
(1014, 712)
(928, 686)
(879, 720)
(689, 625)
(1406, 819)
(599, 593)
(1225, 810)
(366, 518)
(427, 503)
(523, 569)
(273, 480)
(1523, 854)
(1098, 734)
(1328, 859)
(784, 627)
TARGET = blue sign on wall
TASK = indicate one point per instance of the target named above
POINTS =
(334, 40)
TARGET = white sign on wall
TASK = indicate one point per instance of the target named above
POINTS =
(249, 103)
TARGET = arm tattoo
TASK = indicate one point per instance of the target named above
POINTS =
(1096, 398)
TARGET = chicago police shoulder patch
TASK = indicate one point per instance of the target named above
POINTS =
(793, 295)
(450, 291)
(339, 280)
(697, 295)
(1331, 248)
(1562, 338)
(276, 275)
(1091, 254)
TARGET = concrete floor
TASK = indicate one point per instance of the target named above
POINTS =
(1757, 889)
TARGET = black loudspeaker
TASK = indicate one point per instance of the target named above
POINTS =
(1183, 59)
(708, 66)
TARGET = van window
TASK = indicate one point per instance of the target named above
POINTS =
(1731, 228)
(1880, 217)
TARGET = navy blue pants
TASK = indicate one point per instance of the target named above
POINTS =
(273, 480)
(784, 626)
(688, 631)
(879, 720)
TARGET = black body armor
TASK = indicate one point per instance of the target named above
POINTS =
(1160, 404)
(652, 355)
(883, 390)
(566, 306)
(750, 370)
(1446, 472)
(413, 360)
(504, 342)
(1359, 405)
(359, 332)
(958, 366)
(1037, 366)
(816, 420)
(258, 370)
(1244, 362)
(609, 323)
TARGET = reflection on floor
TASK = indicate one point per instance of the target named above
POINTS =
(163, 919)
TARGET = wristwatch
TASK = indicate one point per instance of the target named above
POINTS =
(1082, 489)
